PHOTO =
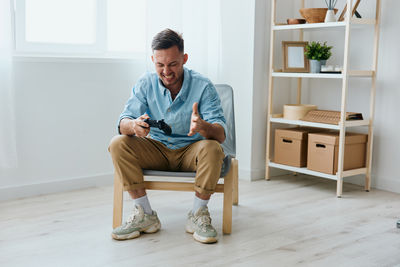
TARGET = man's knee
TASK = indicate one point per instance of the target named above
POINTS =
(117, 143)
(211, 147)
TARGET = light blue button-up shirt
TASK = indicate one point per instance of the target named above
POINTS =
(151, 97)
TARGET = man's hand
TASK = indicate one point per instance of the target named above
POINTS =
(135, 127)
(197, 124)
(141, 128)
(208, 130)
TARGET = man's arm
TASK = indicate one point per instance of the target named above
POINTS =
(128, 126)
(208, 130)
(135, 110)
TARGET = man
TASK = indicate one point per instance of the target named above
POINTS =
(189, 103)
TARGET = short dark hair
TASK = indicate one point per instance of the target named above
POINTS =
(166, 39)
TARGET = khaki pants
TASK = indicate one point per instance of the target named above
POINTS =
(131, 154)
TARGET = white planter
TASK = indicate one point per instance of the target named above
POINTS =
(330, 16)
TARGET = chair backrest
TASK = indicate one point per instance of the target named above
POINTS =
(225, 93)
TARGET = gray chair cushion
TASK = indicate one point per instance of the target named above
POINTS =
(226, 165)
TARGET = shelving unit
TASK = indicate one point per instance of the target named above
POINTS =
(344, 76)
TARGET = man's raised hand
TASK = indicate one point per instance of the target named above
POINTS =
(197, 124)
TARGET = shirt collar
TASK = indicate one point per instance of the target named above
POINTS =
(185, 85)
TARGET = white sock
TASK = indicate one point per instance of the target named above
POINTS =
(198, 203)
(144, 203)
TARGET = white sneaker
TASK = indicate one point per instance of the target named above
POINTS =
(199, 224)
(138, 222)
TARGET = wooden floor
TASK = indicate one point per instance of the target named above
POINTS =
(288, 221)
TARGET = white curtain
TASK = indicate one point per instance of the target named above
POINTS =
(199, 21)
(8, 154)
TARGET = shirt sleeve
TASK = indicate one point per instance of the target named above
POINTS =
(137, 103)
(210, 107)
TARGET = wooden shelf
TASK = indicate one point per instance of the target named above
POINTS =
(352, 73)
(307, 75)
(354, 172)
(309, 26)
(305, 123)
(327, 25)
(356, 123)
(361, 73)
(357, 21)
(315, 173)
(301, 170)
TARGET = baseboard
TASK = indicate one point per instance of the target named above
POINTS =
(259, 174)
(30, 190)
(386, 184)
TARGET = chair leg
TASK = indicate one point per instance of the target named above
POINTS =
(118, 202)
(235, 167)
(227, 209)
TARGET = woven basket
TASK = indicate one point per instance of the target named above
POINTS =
(314, 15)
(296, 111)
(330, 116)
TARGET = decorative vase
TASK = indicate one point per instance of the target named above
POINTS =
(330, 16)
(315, 65)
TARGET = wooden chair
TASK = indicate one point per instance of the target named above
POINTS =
(229, 171)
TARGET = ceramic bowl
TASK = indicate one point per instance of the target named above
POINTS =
(296, 21)
(314, 15)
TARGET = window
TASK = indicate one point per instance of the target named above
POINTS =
(126, 25)
(80, 27)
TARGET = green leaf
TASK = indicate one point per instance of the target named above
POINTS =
(318, 51)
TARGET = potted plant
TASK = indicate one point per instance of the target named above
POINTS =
(317, 53)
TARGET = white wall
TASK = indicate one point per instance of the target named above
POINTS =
(237, 61)
(386, 154)
(66, 113)
(260, 89)
(283, 92)
(245, 61)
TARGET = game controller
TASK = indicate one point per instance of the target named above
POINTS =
(160, 125)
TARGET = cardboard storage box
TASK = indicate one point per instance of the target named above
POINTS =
(291, 146)
(323, 150)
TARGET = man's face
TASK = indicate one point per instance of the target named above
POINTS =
(169, 66)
